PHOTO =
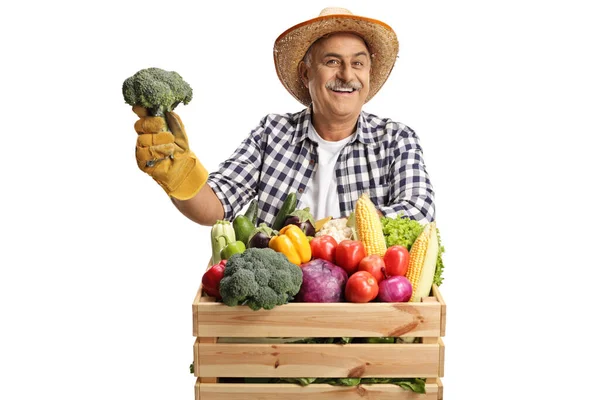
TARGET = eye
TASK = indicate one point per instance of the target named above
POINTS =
(332, 62)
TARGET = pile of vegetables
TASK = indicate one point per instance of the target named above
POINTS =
(363, 258)
(360, 259)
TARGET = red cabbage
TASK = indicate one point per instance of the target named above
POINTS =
(322, 282)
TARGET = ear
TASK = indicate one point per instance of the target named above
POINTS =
(303, 73)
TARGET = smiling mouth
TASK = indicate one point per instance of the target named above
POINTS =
(344, 90)
(343, 87)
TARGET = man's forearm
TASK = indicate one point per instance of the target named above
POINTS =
(205, 208)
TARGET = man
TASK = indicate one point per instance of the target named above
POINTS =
(328, 154)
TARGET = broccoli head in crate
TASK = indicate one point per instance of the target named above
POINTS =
(259, 278)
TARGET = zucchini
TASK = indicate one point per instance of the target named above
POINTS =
(252, 211)
(288, 207)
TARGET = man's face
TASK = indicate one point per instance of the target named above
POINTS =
(337, 75)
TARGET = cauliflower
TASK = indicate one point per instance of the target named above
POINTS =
(339, 229)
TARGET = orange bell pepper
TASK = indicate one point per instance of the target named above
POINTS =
(293, 243)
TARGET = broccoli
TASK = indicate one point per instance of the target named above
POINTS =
(259, 278)
(157, 90)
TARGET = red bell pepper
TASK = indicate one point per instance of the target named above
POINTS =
(396, 261)
(211, 280)
(324, 247)
(348, 254)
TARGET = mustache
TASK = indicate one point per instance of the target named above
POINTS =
(340, 85)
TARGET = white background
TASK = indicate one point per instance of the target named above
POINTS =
(99, 270)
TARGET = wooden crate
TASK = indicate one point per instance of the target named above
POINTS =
(215, 357)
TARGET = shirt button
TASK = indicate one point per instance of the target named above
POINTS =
(312, 162)
(300, 190)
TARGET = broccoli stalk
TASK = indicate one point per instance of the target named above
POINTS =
(259, 278)
(157, 90)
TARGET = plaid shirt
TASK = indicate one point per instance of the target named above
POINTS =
(384, 159)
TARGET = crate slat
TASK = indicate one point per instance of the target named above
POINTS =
(205, 378)
(319, 320)
(317, 360)
(276, 391)
(442, 358)
(438, 295)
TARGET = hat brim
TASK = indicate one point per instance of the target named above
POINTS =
(291, 46)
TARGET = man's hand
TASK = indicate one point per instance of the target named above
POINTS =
(162, 151)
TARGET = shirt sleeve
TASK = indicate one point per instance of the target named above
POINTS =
(236, 180)
(411, 192)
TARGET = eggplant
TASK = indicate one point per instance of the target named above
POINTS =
(303, 219)
(261, 236)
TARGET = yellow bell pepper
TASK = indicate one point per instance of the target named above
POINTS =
(293, 243)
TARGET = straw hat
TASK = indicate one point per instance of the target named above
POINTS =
(291, 46)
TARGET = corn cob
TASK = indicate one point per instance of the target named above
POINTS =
(368, 226)
(421, 262)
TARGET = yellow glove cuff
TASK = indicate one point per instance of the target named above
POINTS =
(191, 184)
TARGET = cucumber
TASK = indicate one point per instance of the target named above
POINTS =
(289, 205)
(252, 211)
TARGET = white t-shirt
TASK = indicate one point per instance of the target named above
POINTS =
(321, 193)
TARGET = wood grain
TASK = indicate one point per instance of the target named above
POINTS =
(318, 320)
(319, 360)
(228, 346)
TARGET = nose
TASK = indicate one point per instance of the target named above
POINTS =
(345, 72)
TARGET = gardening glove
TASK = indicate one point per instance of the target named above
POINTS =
(162, 151)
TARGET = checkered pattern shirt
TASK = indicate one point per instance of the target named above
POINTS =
(384, 159)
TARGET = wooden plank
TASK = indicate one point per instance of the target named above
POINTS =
(441, 355)
(438, 383)
(194, 314)
(438, 295)
(442, 348)
(200, 298)
(318, 320)
(205, 341)
(317, 360)
(236, 391)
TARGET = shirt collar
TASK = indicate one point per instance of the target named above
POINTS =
(301, 133)
(364, 132)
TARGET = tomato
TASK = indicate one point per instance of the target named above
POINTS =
(374, 265)
(348, 255)
(323, 247)
(361, 287)
(396, 260)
